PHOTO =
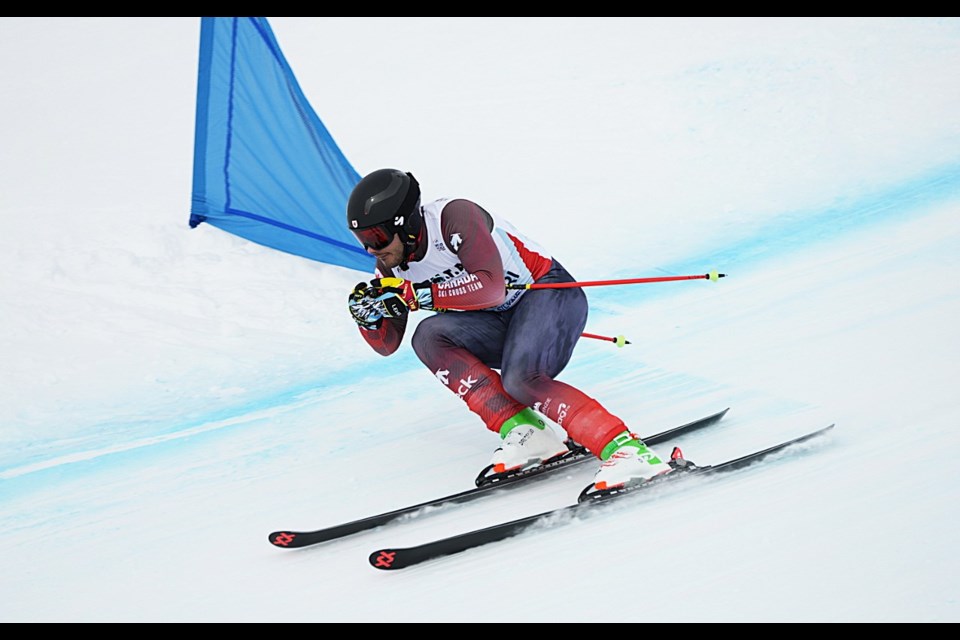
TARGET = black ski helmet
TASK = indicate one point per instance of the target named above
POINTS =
(389, 198)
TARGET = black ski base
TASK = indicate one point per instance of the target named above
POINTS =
(392, 559)
(487, 484)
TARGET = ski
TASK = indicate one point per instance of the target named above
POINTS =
(392, 559)
(486, 484)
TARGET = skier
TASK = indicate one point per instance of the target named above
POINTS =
(453, 257)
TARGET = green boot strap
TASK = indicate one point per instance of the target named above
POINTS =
(527, 416)
(624, 439)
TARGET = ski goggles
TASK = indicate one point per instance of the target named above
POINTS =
(376, 237)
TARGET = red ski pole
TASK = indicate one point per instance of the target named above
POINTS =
(713, 276)
(617, 340)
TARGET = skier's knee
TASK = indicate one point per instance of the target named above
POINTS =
(521, 387)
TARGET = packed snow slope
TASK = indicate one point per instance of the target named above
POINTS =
(170, 396)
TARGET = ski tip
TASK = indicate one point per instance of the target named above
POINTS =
(818, 432)
(384, 559)
(719, 414)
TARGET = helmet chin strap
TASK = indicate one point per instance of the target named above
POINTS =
(409, 249)
(410, 246)
(414, 220)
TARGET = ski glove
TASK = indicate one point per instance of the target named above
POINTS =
(413, 295)
(366, 311)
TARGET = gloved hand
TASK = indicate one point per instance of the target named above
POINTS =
(413, 295)
(367, 311)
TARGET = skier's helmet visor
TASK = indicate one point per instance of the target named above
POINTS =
(376, 237)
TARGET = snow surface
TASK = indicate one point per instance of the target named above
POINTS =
(170, 396)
